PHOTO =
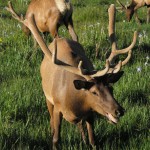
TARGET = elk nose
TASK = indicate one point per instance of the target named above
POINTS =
(120, 112)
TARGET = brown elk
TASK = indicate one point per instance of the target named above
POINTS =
(133, 7)
(72, 87)
(50, 15)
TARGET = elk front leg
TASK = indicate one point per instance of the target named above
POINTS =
(57, 122)
(89, 123)
(69, 26)
(50, 109)
(82, 131)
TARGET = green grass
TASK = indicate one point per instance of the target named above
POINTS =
(24, 119)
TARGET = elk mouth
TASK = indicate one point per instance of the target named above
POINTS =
(112, 119)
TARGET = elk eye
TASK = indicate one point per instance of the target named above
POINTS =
(95, 93)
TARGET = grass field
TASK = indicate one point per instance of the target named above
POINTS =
(24, 119)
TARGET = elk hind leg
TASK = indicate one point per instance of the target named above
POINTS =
(57, 122)
(80, 126)
(50, 109)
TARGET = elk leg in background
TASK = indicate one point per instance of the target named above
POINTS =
(69, 26)
(57, 122)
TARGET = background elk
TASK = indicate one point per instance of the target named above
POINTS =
(133, 7)
(49, 15)
(73, 88)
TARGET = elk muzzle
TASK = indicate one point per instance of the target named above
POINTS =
(115, 115)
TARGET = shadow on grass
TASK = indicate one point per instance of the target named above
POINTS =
(137, 97)
(16, 142)
(122, 139)
(4, 16)
(116, 139)
(90, 52)
(142, 21)
(144, 48)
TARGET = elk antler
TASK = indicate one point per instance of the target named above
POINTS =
(30, 23)
(115, 51)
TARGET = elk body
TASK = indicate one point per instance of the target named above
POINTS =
(50, 15)
(73, 88)
(133, 7)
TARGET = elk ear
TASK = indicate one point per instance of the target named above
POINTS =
(110, 78)
(114, 77)
(79, 84)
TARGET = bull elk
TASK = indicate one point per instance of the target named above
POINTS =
(50, 15)
(72, 87)
(133, 7)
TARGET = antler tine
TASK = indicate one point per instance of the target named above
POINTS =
(127, 59)
(120, 64)
(112, 36)
(14, 14)
(102, 72)
(116, 68)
